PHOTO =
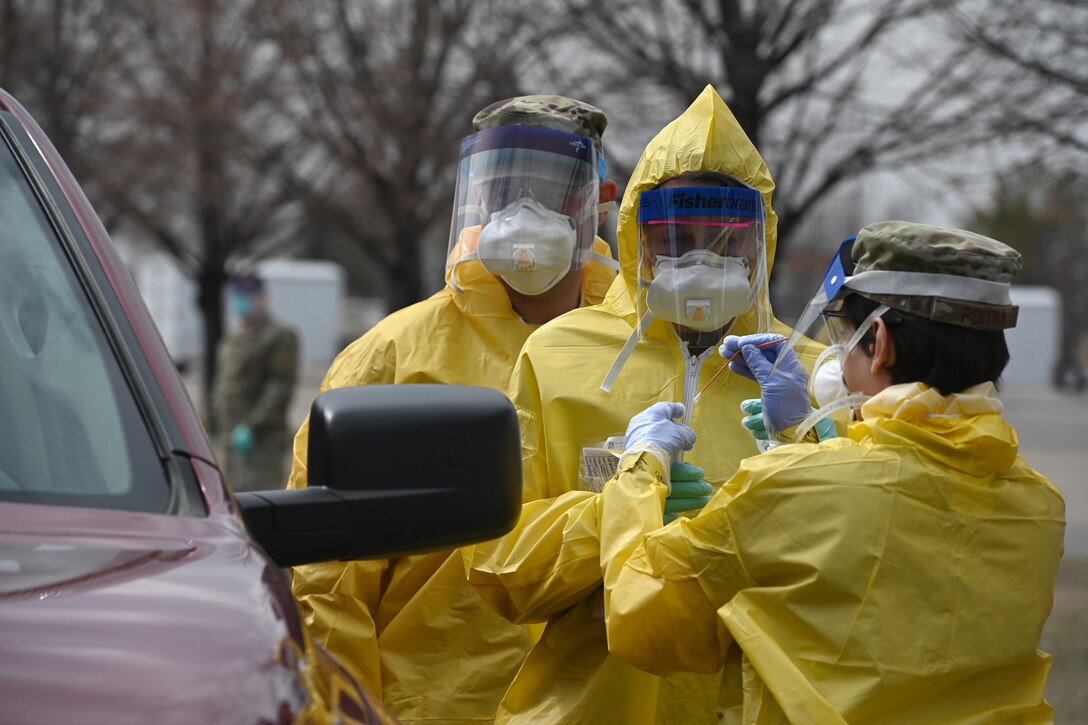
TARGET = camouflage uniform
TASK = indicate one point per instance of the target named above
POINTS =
(896, 246)
(257, 367)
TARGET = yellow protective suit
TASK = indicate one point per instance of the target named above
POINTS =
(412, 629)
(900, 575)
(548, 567)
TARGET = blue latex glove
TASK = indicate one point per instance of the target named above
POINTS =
(753, 422)
(241, 438)
(656, 428)
(689, 491)
(784, 395)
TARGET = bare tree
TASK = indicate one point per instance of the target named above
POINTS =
(1037, 54)
(386, 90)
(55, 56)
(198, 140)
(1040, 52)
(1042, 212)
(829, 90)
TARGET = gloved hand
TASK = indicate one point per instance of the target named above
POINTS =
(655, 429)
(689, 491)
(784, 395)
(753, 422)
(242, 439)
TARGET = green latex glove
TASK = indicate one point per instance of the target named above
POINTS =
(689, 491)
(753, 422)
(241, 438)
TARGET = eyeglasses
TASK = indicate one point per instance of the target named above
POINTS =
(839, 325)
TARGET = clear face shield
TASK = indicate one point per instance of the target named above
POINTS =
(525, 207)
(702, 258)
(823, 321)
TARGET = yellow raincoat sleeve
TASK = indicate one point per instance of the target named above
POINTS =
(664, 585)
(338, 599)
(551, 560)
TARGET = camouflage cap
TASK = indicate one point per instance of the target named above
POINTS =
(942, 274)
(558, 113)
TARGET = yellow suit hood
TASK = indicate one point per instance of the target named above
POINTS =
(706, 137)
(549, 567)
(963, 432)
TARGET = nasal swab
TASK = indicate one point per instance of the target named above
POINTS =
(726, 367)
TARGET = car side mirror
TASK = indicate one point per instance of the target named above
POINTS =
(395, 470)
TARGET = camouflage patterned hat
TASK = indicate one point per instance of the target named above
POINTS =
(939, 273)
(558, 113)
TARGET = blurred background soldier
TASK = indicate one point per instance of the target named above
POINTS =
(257, 368)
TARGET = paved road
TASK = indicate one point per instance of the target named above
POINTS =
(1053, 431)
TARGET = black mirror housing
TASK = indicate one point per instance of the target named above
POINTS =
(395, 470)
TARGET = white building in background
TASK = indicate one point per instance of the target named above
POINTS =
(171, 298)
(307, 295)
(1035, 342)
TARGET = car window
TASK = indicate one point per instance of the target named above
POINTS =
(70, 430)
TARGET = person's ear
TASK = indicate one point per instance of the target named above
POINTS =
(607, 193)
(883, 356)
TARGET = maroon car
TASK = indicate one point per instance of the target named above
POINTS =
(134, 587)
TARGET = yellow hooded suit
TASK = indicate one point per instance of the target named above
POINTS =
(902, 574)
(548, 568)
(412, 629)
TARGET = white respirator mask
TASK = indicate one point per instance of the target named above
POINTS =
(699, 290)
(528, 245)
(826, 383)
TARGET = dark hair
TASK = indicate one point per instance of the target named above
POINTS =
(947, 357)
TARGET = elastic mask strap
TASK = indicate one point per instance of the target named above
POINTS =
(628, 348)
(854, 400)
(606, 207)
(613, 264)
(476, 209)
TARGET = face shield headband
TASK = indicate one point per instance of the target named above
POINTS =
(702, 255)
(525, 206)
